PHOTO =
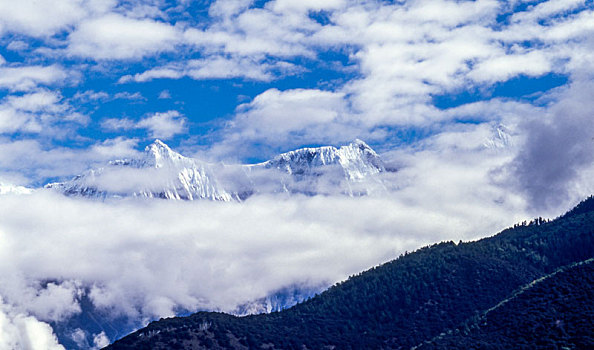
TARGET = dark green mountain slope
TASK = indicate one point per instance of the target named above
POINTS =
(397, 305)
(556, 312)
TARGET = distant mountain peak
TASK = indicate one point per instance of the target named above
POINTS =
(160, 153)
(157, 146)
(349, 170)
(501, 138)
(361, 144)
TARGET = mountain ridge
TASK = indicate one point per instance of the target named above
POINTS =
(163, 173)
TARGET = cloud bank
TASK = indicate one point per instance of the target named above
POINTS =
(148, 259)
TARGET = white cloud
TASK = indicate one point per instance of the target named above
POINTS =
(288, 119)
(55, 302)
(116, 37)
(228, 8)
(306, 5)
(102, 96)
(149, 257)
(41, 112)
(100, 341)
(164, 125)
(19, 331)
(459, 161)
(90, 95)
(118, 124)
(26, 78)
(281, 112)
(546, 9)
(159, 125)
(255, 34)
(216, 67)
(39, 18)
(17, 45)
(168, 72)
(504, 67)
(248, 38)
(164, 95)
(36, 102)
(125, 95)
(36, 161)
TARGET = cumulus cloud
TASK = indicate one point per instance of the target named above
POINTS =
(289, 119)
(41, 112)
(238, 30)
(19, 331)
(115, 36)
(279, 113)
(125, 95)
(399, 70)
(100, 341)
(26, 78)
(159, 125)
(46, 301)
(504, 67)
(40, 18)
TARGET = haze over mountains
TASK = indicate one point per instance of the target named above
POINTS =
(352, 170)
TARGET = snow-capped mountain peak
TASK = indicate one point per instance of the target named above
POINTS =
(163, 173)
(356, 160)
(360, 160)
(160, 154)
(501, 138)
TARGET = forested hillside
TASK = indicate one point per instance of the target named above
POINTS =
(420, 298)
(556, 312)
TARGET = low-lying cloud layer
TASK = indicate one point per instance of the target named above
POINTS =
(148, 258)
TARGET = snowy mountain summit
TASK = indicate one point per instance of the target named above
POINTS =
(356, 160)
(163, 173)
